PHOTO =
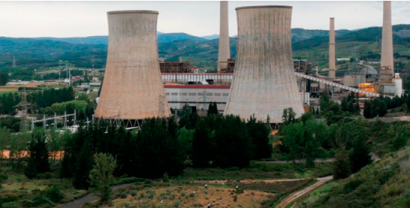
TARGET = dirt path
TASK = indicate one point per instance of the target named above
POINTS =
(89, 198)
(286, 201)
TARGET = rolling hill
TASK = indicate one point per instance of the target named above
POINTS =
(43, 52)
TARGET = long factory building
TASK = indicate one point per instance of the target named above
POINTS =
(199, 89)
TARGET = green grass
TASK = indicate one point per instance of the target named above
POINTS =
(385, 183)
(259, 170)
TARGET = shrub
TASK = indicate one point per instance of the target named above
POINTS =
(165, 178)
(123, 195)
(133, 192)
(176, 203)
(54, 194)
(352, 185)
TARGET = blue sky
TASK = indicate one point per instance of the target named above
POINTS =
(79, 19)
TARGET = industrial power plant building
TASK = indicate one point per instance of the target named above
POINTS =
(132, 89)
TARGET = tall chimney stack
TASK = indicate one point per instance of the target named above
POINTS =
(224, 50)
(332, 51)
(387, 64)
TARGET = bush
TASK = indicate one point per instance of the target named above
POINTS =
(123, 195)
(133, 192)
(165, 179)
(54, 194)
(176, 203)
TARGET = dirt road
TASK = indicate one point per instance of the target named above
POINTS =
(286, 201)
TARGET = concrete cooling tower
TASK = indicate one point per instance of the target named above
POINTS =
(264, 82)
(132, 87)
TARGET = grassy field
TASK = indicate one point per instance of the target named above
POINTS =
(181, 193)
(259, 170)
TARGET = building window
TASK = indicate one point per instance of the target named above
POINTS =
(192, 94)
(225, 94)
(184, 94)
(200, 94)
(208, 94)
(174, 93)
(167, 93)
(217, 94)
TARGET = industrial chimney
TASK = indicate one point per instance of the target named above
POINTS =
(264, 82)
(332, 51)
(387, 62)
(132, 88)
(224, 50)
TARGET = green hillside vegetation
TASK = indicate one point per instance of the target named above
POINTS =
(79, 105)
(382, 184)
(312, 44)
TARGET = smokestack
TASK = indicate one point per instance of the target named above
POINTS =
(387, 62)
(332, 50)
(224, 50)
(264, 82)
(132, 88)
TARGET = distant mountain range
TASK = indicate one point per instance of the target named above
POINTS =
(298, 34)
(35, 53)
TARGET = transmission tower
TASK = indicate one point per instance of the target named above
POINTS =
(23, 107)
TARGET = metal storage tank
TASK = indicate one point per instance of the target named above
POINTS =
(264, 82)
(132, 87)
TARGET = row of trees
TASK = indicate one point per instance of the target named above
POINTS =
(4, 78)
(161, 146)
(48, 97)
(8, 101)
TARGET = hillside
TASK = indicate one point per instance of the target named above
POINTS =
(382, 184)
(43, 53)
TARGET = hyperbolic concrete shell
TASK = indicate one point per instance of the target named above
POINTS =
(264, 82)
(132, 87)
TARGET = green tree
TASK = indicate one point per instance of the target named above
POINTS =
(367, 109)
(259, 134)
(288, 115)
(399, 136)
(101, 176)
(4, 78)
(185, 138)
(382, 108)
(341, 168)
(18, 146)
(38, 154)
(344, 104)
(360, 156)
(234, 146)
(202, 145)
(305, 141)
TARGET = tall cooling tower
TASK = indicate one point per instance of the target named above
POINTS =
(132, 87)
(264, 82)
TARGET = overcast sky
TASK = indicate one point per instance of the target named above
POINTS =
(79, 19)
